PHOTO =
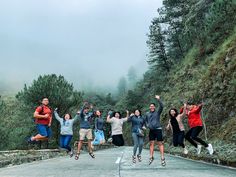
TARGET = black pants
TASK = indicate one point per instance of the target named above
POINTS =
(192, 136)
(178, 139)
(118, 140)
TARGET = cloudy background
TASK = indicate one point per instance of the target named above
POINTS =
(90, 42)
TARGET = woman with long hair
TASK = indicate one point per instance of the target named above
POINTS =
(117, 127)
(138, 123)
(66, 132)
(177, 127)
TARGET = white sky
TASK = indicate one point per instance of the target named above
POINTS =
(88, 41)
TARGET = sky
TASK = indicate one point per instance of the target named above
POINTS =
(91, 42)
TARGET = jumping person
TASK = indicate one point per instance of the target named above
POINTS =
(117, 127)
(177, 127)
(43, 120)
(138, 123)
(155, 133)
(86, 118)
(195, 123)
(99, 129)
(66, 132)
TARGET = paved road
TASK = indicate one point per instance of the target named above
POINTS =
(114, 163)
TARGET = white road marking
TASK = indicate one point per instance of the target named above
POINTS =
(118, 160)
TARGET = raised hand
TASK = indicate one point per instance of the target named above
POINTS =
(132, 114)
(158, 97)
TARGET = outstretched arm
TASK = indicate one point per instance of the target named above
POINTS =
(160, 104)
(57, 116)
(184, 111)
(77, 116)
(127, 116)
(109, 117)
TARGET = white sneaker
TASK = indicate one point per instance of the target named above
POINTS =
(210, 149)
(185, 151)
(199, 149)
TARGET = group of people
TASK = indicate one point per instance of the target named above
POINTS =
(151, 120)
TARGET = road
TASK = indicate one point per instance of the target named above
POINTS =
(114, 163)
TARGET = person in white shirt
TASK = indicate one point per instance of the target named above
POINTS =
(117, 127)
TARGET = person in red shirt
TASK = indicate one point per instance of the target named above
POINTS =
(193, 113)
(43, 120)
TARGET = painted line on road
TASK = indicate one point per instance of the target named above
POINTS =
(118, 160)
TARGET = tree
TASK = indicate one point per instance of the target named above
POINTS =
(132, 77)
(60, 93)
(122, 86)
(158, 58)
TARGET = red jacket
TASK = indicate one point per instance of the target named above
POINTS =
(194, 116)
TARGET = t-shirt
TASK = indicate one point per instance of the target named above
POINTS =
(43, 110)
(116, 125)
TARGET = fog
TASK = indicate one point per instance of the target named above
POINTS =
(91, 42)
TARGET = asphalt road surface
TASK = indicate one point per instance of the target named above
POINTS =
(116, 162)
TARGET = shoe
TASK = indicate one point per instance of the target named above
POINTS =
(185, 151)
(210, 149)
(92, 155)
(30, 141)
(134, 159)
(71, 154)
(151, 160)
(77, 156)
(163, 162)
(139, 158)
(199, 149)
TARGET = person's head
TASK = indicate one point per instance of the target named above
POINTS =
(137, 112)
(98, 113)
(190, 105)
(45, 101)
(86, 110)
(173, 112)
(152, 107)
(67, 116)
(117, 115)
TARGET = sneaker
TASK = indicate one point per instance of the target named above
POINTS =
(30, 141)
(185, 151)
(199, 149)
(210, 149)
(163, 162)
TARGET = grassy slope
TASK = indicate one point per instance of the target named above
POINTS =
(211, 79)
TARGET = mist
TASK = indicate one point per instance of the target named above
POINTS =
(92, 43)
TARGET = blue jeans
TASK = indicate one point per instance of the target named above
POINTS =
(99, 136)
(138, 144)
(65, 141)
(44, 130)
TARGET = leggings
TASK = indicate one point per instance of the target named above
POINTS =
(138, 143)
(178, 139)
(192, 136)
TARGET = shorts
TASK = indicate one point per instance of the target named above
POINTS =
(155, 135)
(85, 133)
(44, 130)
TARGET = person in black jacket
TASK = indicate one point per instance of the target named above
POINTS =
(155, 133)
